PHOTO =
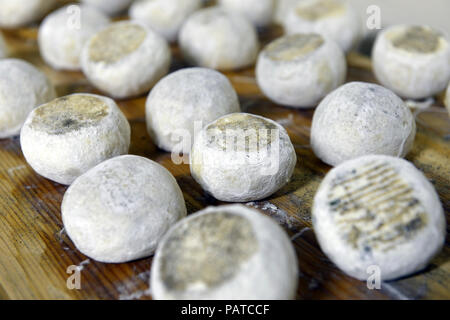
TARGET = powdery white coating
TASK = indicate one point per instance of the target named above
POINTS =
(66, 137)
(262, 265)
(259, 12)
(335, 19)
(409, 72)
(3, 47)
(359, 119)
(119, 210)
(164, 16)
(14, 14)
(299, 70)
(132, 73)
(110, 7)
(242, 157)
(183, 98)
(61, 40)
(214, 38)
(22, 88)
(388, 215)
(282, 8)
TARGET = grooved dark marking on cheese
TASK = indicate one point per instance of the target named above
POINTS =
(207, 250)
(374, 208)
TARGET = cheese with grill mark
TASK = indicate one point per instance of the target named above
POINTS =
(378, 210)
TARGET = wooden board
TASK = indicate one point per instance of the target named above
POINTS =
(35, 252)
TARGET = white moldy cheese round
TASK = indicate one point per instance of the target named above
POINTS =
(119, 210)
(242, 157)
(214, 38)
(299, 70)
(413, 61)
(259, 12)
(225, 253)
(168, 24)
(378, 212)
(64, 138)
(359, 119)
(110, 7)
(334, 19)
(185, 99)
(22, 88)
(125, 59)
(15, 14)
(62, 39)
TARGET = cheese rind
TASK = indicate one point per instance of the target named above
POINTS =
(378, 211)
(225, 252)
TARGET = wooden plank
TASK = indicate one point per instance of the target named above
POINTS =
(35, 252)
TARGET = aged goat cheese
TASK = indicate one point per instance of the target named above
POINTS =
(378, 213)
(184, 100)
(299, 70)
(61, 39)
(125, 59)
(217, 39)
(334, 19)
(164, 16)
(16, 14)
(226, 252)
(259, 12)
(110, 7)
(22, 88)
(359, 119)
(412, 61)
(64, 138)
(119, 210)
(242, 157)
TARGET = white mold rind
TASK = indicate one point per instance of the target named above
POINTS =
(406, 255)
(410, 74)
(64, 156)
(241, 175)
(343, 26)
(214, 38)
(22, 88)
(60, 42)
(120, 209)
(259, 12)
(134, 73)
(164, 16)
(15, 14)
(270, 273)
(110, 7)
(301, 82)
(183, 98)
(359, 119)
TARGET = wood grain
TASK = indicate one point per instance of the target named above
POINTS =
(35, 252)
